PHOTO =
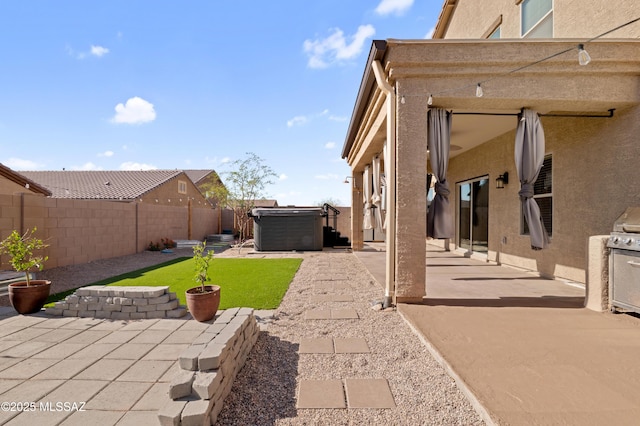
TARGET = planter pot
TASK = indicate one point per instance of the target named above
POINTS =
(29, 299)
(203, 306)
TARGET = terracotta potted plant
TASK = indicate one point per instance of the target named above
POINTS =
(203, 301)
(27, 296)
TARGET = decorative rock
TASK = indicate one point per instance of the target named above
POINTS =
(170, 413)
(189, 357)
(206, 383)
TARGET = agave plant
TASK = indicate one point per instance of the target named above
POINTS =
(20, 250)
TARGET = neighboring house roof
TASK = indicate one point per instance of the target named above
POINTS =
(23, 181)
(265, 203)
(197, 176)
(105, 185)
(444, 19)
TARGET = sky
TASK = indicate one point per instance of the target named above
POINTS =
(195, 84)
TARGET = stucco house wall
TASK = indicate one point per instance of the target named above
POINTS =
(594, 181)
(571, 18)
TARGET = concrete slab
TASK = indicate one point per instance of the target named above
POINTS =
(321, 394)
(145, 371)
(65, 369)
(95, 351)
(351, 345)
(55, 335)
(317, 314)
(120, 396)
(346, 313)
(316, 346)
(137, 418)
(93, 417)
(88, 336)
(151, 336)
(61, 350)
(183, 336)
(165, 352)
(105, 369)
(369, 393)
(25, 349)
(119, 336)
(130, 351)
(27, 368)
(153, 399)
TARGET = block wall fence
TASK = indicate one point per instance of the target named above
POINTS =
(81, 231)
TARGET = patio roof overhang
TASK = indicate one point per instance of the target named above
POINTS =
(449, 70)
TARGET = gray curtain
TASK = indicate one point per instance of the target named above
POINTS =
(439, 221)
(529, 156)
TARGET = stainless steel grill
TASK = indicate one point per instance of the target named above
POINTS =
(624, 262)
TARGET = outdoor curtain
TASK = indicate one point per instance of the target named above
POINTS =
(366, 197)
(529, 156)
(439, 221)
(384, 183)
(376, 198)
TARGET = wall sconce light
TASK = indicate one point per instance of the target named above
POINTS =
(502, 180)
(346, 180)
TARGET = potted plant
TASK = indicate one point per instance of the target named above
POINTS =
(27, 296)
(203, 301)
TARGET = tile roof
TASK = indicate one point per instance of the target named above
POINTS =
(197, 175)
(105, 185)
(22, 180)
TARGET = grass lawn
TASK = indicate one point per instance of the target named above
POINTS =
(253, 283)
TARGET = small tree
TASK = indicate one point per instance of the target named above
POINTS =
(245, 183)
(20, 250)
(202, 262)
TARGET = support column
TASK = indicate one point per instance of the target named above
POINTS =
(357, 211)
(411, 198)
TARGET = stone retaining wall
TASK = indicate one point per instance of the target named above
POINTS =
(121, 303)
(208, 368)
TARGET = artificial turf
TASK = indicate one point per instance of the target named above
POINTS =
(252, 283)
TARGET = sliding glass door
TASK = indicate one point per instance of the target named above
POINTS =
(473, 214)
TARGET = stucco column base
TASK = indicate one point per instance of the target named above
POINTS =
(597, 295)
(409, 300)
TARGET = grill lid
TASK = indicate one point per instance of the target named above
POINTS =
(629, 221)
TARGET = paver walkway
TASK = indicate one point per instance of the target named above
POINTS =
(347, 393)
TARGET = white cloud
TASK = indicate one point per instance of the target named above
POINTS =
(225, 160)
(328, 176)
(338, 118)
(430, 33)
(99, 51)
(387, 7)
(330, 145)
(335, 49)
(130, 165)
(105, 154)
(86, 166)
(20, 164)
(297, 121)
(283, 177)
(135, 111)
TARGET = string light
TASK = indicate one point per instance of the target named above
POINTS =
(583, 55)
(430, 100)
(479, 91)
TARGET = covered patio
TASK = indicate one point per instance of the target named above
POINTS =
(523, 348)
(404, 79)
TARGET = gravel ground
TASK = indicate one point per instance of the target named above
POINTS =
(264, 392)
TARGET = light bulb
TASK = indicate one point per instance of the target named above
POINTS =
(430, 100)
(402, 101)
(583, 55)
(479, 91)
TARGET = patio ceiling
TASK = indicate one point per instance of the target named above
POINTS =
(450, 69)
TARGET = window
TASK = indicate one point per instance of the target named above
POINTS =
(543, 194)
(182, 187)
(536, 19)
(495, 33)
